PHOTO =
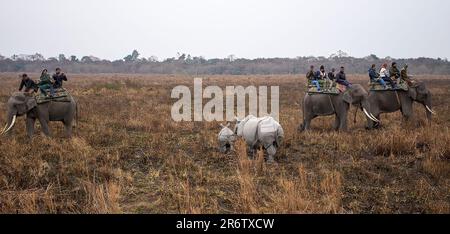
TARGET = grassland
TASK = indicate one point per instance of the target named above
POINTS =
(128, 156)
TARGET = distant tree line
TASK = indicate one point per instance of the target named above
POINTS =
(198, 65)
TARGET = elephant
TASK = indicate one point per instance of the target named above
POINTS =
(264, 131)
(20, 104)
(328, 104)
(391, 101)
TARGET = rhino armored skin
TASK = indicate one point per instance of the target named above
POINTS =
(226, 139)
(265, 132)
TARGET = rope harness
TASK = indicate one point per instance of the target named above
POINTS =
(398, 99)
(331, 103)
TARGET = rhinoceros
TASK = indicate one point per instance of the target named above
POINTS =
(256, 132)
(226, 139)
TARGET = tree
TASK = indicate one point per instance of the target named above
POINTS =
(181, 57)
(133, 57)
(62, 58)
(153, 59)
(37, 57)
(373, 56)
(86, 59)
(231, 57)
(73, 58)
(2, 57)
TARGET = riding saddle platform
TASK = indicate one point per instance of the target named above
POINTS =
(376, 86)
(61, 95)
(326, 87)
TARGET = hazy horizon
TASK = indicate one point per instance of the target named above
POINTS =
(216, 29)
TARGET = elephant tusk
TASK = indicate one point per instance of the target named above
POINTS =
(369, 116)
(12, 125)
(430, 110)
(377, 120)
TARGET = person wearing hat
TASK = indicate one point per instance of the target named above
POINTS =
(27, 83)
(59, 77)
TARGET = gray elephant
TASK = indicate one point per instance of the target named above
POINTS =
(256, 132)
(392, 101)
(20, 104)
(327, 104)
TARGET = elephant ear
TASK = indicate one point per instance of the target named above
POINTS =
(31, 103)
(413, 93)
(348, 97)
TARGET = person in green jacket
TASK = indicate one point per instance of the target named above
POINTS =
(46, 83)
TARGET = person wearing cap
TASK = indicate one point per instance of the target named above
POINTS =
(59, 77)
(27, 83)
(375, 76)
(342, 79)
(311, 76)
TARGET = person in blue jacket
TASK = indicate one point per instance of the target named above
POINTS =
(375, 76)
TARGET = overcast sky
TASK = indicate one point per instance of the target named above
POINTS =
(111, 29)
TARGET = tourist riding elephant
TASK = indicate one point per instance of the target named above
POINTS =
(315, 105)
(24, 104)
(392, 101)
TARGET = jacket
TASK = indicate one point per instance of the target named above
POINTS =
(373, 74)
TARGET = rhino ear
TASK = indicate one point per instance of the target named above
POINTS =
(228, 125)
(221, 125)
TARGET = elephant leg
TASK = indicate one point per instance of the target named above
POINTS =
(30, 122)
(343, 121)
(407, 112)
(336, 123)
(307, 122)
(68, 128)
(45, 127)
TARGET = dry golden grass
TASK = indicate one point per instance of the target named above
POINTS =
(128, 156)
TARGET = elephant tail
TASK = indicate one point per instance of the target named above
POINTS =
(76, 115)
